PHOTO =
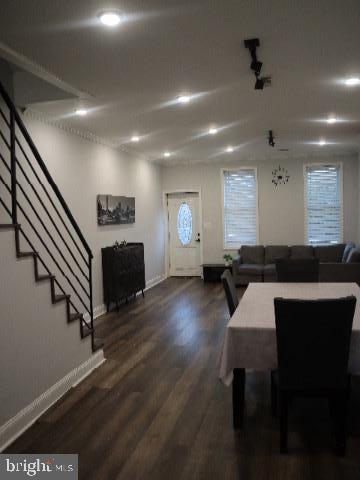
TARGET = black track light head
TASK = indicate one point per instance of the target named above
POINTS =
(256, 66)
(271, 139)
(259, 84)
(252, 43)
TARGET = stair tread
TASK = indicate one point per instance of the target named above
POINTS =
(87, 332)
(97, 344)
(9, 225)
(59, 298)
(27, 254)
(41, 278)
(75, 316)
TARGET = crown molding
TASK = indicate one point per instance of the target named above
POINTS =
(30, 112)
(25, 63)
(260, 158)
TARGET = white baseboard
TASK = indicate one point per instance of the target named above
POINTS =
(14, 427)
(101, 309)
(154, 281)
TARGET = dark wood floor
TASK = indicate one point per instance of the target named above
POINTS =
(156, 409)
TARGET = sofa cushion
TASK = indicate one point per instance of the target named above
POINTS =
(276, 251)
(329, 253)
(252, 254)
(270, 269)
(347, 250)
(250, 269)
(354, 255)
(302, 251)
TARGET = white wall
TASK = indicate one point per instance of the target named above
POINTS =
(281, 209)
(358, 212)
(37, 346)
(83, 169)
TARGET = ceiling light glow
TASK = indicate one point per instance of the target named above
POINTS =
(352, 81)
(230, 149)
(213, 131)
(166, 154)
(135, 138)
(183, 99)
(81, 112)
(322, 143)
(110, 19)
(331, 120)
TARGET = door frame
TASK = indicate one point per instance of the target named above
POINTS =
(183, 191)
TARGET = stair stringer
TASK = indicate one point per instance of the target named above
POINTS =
(37, 344)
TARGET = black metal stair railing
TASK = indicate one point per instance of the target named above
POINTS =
(71, 257)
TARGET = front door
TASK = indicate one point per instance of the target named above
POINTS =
(184, 235)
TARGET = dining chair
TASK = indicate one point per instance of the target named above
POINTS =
(230, 291)
(297, 270)
(313, 341)
(238, 387)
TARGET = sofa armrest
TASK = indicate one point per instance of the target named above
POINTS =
(236, 263)
(339, 272)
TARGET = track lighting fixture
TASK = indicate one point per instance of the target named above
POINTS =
(259, 83)
(251, 44)
(271, 139)
(256, 67)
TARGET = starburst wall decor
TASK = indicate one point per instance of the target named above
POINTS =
(280, 176)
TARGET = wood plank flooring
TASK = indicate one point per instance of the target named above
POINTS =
(156, 409)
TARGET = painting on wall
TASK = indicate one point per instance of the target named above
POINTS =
(115, 210)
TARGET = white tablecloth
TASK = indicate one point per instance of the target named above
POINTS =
(250, 338)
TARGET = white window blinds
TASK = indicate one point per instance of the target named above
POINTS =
(240, 207)
(323, 204)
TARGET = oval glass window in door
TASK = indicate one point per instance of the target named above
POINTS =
(184, 224)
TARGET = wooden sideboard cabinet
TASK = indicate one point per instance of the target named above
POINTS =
(123, 272)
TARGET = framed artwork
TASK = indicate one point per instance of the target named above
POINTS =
(115, 210)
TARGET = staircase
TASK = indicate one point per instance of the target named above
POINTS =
(44, 227)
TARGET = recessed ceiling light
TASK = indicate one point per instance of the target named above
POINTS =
(322, 143)
(81, 112)
(331, 120)
(183, 98)
(166, 154)
(135, 138)
(213, 131)
(350, 82)
(110, 19)
(230, 149)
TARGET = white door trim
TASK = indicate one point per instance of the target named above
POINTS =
(166, 223)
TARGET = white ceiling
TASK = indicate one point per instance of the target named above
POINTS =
(166, 47)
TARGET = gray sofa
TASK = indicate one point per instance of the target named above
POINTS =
(338, 263)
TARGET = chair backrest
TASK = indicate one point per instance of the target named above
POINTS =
(297, 270)
(313, 341)
(230, 291)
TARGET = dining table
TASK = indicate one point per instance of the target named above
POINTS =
(250, 336)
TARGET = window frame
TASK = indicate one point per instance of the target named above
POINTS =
(227, 247)
(341, 195)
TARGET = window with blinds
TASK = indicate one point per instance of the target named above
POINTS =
(240, 207)
(323, 204)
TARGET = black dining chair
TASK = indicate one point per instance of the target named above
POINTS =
(313, 341)
(238, 387)
(230, 291)
(297, 270)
